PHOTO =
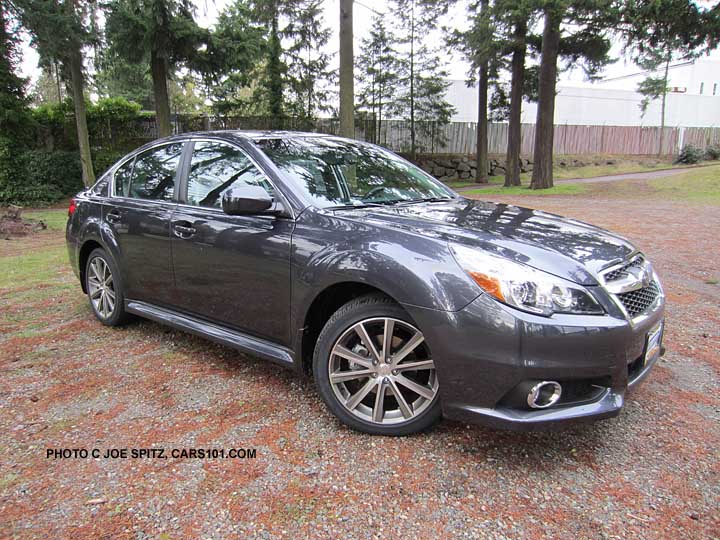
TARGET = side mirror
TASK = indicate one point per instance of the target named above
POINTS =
(246, 200)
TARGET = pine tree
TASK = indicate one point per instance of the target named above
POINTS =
(308, 76)
(659, 32)
(422, 78)
(376, 75)
(60, 30)
(480, 47)
(234, 57)
(161, 33)
(14, 113)
(576, 31)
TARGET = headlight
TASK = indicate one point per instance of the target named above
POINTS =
(524, 287)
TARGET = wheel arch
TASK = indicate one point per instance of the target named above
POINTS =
(86, 249)
(322, 307)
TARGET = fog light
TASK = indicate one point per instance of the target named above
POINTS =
(544, 394)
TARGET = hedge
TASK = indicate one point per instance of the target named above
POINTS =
(39, 177)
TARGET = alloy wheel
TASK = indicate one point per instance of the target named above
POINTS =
(101, 287)
(380, 370)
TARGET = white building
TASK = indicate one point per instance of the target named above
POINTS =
(693, 102)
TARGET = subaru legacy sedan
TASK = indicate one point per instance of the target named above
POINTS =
(403, 300)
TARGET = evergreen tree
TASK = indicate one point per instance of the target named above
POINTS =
(659, 32)
(48, 88)
(422, 78)
(235, 56)
(14, 114)
(577, 32)
(480, 47)
(161, 33)
(116, 77)
(376, 75)
(308, 75)
(60, 30)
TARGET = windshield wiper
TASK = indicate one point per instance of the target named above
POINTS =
(354, 206)
(428, 199)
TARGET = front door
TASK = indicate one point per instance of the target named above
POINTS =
(232, 270)
(139, 216)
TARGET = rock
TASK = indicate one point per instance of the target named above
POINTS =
(438, 171)
(34, 399)
(610, 162)
(464, 175)
(463, 167)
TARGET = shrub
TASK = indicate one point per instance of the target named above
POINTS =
(712, 152)
(36, 177)
(690, 154)
(18, 188)
(104, 159)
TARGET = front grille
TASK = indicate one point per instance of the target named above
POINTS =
(637, 262)
(637, 302)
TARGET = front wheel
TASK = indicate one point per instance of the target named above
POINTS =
(374, 370)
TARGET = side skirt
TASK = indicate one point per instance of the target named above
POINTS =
(219, 334)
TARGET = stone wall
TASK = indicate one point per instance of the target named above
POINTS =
(463, 167)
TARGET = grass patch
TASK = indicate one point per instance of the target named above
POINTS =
(562, 189)
(49, 266)
(699, 185)
(54, 218)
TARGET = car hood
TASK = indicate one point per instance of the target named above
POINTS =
(564, 247)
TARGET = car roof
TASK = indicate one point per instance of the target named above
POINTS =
(252, 135)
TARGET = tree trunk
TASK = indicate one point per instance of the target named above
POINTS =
(542, 176)
(77, 83)
(662, 108)
(347, 124)
(481, 176)
(158, 65)
(514, 144)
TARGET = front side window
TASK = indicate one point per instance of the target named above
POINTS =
(336, 172)
(153, 175)
(217, 167)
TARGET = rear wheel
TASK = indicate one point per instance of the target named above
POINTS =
(104, 289)
(374, 370)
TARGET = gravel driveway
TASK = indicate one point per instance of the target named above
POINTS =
(68, 382)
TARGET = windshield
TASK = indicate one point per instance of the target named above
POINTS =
(339, 173)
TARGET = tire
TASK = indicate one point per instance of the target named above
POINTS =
(108, 310)
(379, 393)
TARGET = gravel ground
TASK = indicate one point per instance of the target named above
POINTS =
(68, 382)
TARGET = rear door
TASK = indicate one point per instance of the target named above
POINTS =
(144, 199)
(233, 270)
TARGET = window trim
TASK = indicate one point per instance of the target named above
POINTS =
(182, 192)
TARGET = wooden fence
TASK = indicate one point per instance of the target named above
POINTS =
(461, 137)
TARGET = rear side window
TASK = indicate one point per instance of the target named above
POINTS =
(122, 178)
(153, 175)
(217, 167)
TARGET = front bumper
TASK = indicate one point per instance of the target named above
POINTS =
(485, 351)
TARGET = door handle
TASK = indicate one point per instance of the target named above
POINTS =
(113, 216)
(183, 229)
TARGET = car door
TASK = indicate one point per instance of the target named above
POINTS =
(233, 270)
(139, 217)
